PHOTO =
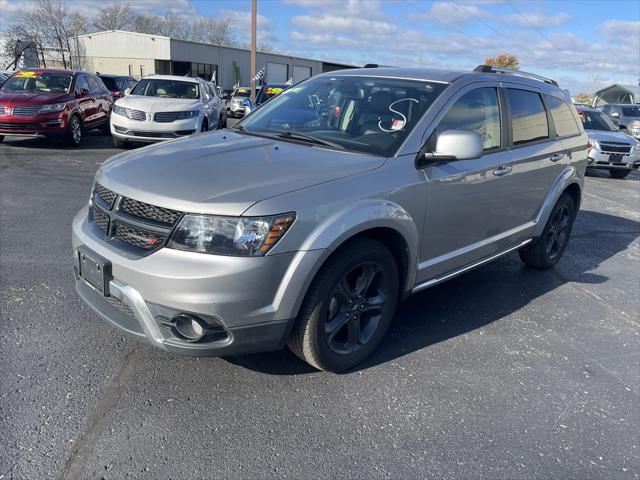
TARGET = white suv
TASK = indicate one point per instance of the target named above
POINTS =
(162, 107)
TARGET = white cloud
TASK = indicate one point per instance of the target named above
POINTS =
(538, 20)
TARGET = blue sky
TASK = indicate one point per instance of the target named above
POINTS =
(583, 44)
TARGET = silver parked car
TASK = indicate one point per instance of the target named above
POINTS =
(609, 148)
(307, 223)
(625, 116)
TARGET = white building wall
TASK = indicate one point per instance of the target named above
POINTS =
(115, 50)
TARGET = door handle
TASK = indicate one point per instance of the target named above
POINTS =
(502, 170)
(556, 156)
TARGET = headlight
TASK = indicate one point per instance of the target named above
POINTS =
(637, 147)
(53, 107)
(189, 114)
(233, 236)
(595, 144)
(119, 110)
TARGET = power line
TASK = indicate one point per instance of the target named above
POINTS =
(535, 28)
(497, 31)
(453, 27)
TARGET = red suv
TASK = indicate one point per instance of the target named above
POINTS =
(53, 103)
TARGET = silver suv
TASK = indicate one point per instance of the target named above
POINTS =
(307, 223)
(624, 116)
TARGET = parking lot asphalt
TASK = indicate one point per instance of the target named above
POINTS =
(504, 372)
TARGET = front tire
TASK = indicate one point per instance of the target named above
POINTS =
(618, 173)
(74, 132)
(545, 252)
(205, 126)
(348, 307)
(120, 143)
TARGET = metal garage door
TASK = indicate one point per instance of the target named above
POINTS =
(276, 72)
(300, 73)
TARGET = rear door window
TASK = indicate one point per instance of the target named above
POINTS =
(93, 84)
(476, 111)
(563, 118)
(528, 116)
(81, 83)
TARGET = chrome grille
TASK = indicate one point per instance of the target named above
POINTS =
(166, 117)
(149, 212)
(26, 110)
(2, 110)
(135, 114)
(614, 147)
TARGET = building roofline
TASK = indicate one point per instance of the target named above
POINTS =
(293, 57)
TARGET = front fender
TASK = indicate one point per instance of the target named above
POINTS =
(362, 215)
(568, 176)
(335, 229)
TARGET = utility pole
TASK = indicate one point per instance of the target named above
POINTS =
(254, 17)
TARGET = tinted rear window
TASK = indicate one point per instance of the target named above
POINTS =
(110, 83)
(563, 119)
(529, 118)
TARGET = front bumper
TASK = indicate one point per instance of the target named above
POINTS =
(150, 131)
(598, 159)
(40, 125)
(254, 299)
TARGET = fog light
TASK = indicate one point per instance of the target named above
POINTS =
(190, 328)
(590, 160)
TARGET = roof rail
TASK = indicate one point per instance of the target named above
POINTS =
(510, 71)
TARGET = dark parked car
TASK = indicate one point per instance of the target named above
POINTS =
(54, 103)
(117, 84)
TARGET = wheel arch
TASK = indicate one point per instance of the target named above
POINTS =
(392, 227)
(568, 181)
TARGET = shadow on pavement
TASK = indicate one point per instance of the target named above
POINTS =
(92, 140)
(472, 300)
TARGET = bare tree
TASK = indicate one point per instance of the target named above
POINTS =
(117, 16)
(173, 24)
(49, 24)
(503, 60)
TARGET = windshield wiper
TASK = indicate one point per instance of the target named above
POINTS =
(308, 138)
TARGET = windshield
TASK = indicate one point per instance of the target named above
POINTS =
(363, 114)
(596, 121)
(242, 92)
(38, 82)
(269, 92)
(160, 87)
(631, 111)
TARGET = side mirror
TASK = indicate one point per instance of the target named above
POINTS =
(453, 145)
(127, 91)
(82, 93)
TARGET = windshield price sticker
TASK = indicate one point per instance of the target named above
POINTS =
(27, 74)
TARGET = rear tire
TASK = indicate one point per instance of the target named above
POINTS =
(348, 307)
(545, 252)
(120, 143)
(74, 133)
(618, 173)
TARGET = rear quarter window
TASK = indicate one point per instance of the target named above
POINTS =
(528, 116)
(563, 118)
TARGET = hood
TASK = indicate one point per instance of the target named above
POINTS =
(225, 172)
(602, 136)
(32, 98)
(158, 104)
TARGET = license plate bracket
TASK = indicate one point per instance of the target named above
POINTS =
(94, 269)
(615, 157)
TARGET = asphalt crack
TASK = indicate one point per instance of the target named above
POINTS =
(75, 466)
